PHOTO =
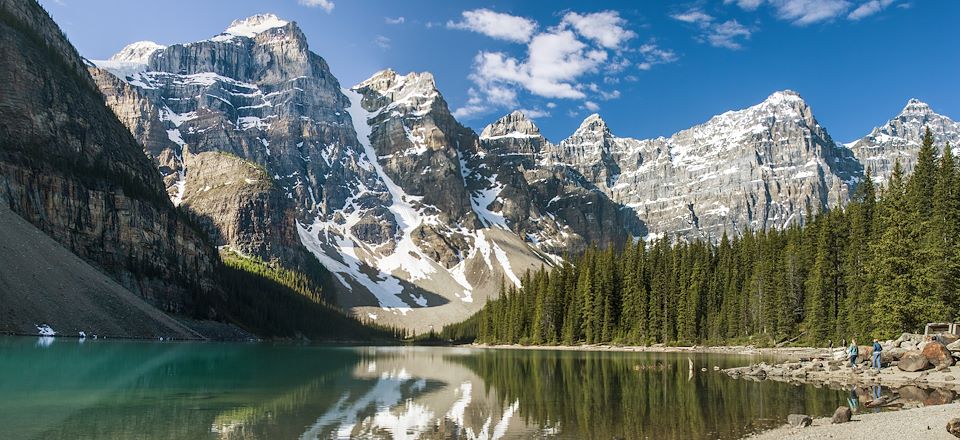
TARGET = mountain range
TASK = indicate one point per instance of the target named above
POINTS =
(419, 219)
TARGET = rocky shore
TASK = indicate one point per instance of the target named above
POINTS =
(916, 372)
(909, 360)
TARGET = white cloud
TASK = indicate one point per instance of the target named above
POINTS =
(653, 55)
(382, 42)
(695, 16)
(869, 8)
(806, 12)
(606, 96)
(606, 28)
(728, 34)
(326, 5)
(749, 5)
(534, 113)
(565, 61)
(397, 20)
(496, 25)
(591, 106)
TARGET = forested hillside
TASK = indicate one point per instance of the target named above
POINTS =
(886, 263)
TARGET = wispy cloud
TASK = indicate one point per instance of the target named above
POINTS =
(807, 12)
(382, 42)
(727, 34)
(559, 61)
(869, 8)
(394, 20)
(326, 5)
(496, 25)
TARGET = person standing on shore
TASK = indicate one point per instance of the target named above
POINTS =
(853, 351)
(877, 348)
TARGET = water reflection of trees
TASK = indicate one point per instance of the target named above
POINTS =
(611, 395)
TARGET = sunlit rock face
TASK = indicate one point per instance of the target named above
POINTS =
(419, 219)
(70, 169)
(253, 135)
(900, 139)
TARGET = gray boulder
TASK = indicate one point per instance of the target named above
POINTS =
(841, 415)
(799, 420)
(953, 427)
(912, 361)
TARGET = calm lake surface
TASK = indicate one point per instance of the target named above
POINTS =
(63, 388)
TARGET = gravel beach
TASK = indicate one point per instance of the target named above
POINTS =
(927, 422)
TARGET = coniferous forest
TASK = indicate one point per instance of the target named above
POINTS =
(885, 263)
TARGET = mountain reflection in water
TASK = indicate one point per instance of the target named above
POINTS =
(126, 389)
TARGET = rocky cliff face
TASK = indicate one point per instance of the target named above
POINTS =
(756, 168)
(257, 93)
(419, 218)
(71, 169)
(900, 139)
(256, 139)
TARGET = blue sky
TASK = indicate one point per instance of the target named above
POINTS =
(650, 68)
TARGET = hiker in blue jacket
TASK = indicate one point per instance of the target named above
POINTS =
(876, 354)
(853, 351)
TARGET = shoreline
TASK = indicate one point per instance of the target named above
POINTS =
(788, 353)
(925, 422)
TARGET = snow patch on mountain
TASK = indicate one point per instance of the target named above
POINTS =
(251, 26)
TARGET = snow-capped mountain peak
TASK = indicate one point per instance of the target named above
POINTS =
(916, 107)
(251, 26)
(593, 124)
(784, 96)
(138, 52)
(516, 124)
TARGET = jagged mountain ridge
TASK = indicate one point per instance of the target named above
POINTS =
(900, 139)
(373, 179)
(756, 168)
(418, 217)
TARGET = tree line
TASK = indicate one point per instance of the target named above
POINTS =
(885, 263)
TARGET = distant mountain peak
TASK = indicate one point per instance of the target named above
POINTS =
(785, 96)
(593, 124)
(251, 26)
(515, 124)
(138, 52)
(388, 80)
(916, 107)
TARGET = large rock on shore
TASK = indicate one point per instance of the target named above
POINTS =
(915, 338)
(913, 361)
(799, 420)
(954, 346)
(953, 427)
(841, 415)
(890, 355)
(938, 354)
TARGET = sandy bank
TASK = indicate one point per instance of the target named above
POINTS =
(927, 422)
